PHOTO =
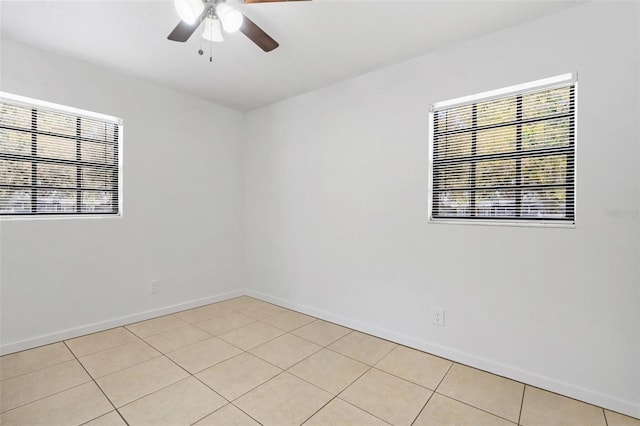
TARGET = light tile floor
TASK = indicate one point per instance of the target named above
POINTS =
(247, 362)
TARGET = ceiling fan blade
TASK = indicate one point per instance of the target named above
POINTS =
(257, 35)
(183, 31)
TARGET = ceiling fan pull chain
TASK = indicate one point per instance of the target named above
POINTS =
(200, 51)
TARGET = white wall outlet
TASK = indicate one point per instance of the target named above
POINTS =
(155, 287)
(437, 316)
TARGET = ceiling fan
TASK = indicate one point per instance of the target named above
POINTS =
(216, 15)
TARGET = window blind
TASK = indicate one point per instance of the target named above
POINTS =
(506, 157)
(56, 160)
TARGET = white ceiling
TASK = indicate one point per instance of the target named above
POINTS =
(321, 41)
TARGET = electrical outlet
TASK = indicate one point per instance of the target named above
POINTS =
(437, 316)
(155, 287)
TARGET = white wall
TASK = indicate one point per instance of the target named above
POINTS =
(182, 221)
(336, 213)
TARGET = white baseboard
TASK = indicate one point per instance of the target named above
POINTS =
(7, 348)
(629, 408)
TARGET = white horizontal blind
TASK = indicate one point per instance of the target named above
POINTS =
(56, 160)
(505, 158)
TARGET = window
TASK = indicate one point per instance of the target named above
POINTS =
(506, 156)
(56, 160)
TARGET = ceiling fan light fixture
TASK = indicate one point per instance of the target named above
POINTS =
(212, 30)
(231, 18)
(189, 10)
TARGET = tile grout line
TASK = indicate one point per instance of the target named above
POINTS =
(402, 378)
(37, 369)
(152, 319)
(240, 396)
(97, 385)
(604, 414)
(157, 334)
(337, 396)
(422, 409)
(209, 387)
(253, 388)
(361, 409)
(281, 370)
(228, 331)
(45, 397)
(370, 367)
(213, 390)
(247, 414)
(175, 330)
(294, 375)
(284, 332)
(433, 392)
(319, 344)
(476, 408)
(44, 368)
(97, 332)
(568, 397)
(443, 377)
(162, 388)
(277, 366)
(145, 395)
(321, 348)
(160, 354)
(253, 347)
(466, 403)
(351, 384)
(243, 351)
(319, 409)
(524, 390)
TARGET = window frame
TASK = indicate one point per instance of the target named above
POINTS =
(564, 80)
(79, 114)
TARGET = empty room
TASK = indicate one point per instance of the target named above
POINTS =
(320, 212)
